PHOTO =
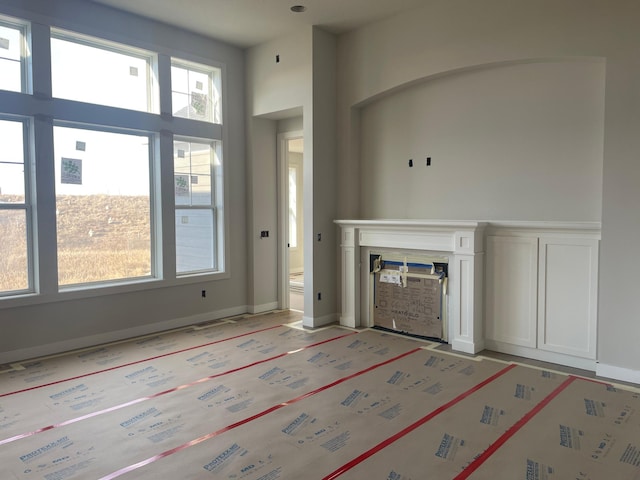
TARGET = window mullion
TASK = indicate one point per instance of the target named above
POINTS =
(40, 61)
(44, 201)
(164, 73)
(167, 234)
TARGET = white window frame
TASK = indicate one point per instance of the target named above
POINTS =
(216, 206)
(43, 111)
(151, 60)
(154, 208)
(25, 48)
(214, 88)
(26, 206)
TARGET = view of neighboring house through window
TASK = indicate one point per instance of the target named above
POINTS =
(103, 177)
(195, 91)
(81, 197)
(95, 71)
(197, 186)
(103, 205)
(197, 170)
(15, 217)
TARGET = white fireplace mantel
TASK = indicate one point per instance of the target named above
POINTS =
(461, 241)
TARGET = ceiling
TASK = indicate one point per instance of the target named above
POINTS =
(246, 23)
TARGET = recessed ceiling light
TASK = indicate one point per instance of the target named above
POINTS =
(298, 8)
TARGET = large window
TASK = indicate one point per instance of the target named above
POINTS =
(14, 208)
(95, 71)
(103, 205)
(81, 165)
(13, 50)
(196, 185)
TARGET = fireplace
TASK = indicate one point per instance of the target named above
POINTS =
(461, 242)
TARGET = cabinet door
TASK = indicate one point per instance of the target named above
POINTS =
(511, 289)
(568, 295)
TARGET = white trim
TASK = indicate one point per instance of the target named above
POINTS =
(461, 241)
(517, 228)
(618, 373)
(466, 346)
(541, 355)
(283, 215)
(265, 307)
(14, 356)
(315, 322)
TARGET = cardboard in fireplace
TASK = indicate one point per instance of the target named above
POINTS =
(409, 297)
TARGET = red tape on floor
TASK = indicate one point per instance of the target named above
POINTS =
(203, 438)
(165, 392)
(372, 451)
(136, 362)
(493, 448)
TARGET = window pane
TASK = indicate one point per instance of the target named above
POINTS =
(103, 205)
(195, 249)
(10, 75)
(11, 57)
(195, 191)
(89, 71)
(14, 244)
(14, 264)
(12, 181)
(196, 92)
(192, 172)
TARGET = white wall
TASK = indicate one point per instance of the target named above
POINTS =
(447, 36)
(517, 141)
(262, 288)
(290, 124)
(324, 170)
(31, 327)
(276, 93)
(302, 82)
(274, 87)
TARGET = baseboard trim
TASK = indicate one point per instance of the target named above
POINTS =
(618, 373)
(542, 355)
(266, 307)
(466, 346)
(315, 322)
(15, 356)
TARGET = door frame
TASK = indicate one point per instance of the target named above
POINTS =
(283, 215)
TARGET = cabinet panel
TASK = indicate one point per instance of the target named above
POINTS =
(511, 295)
(567, 308)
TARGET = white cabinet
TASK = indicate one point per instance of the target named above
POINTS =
(511, 286)
(568, 295)
(541, 293)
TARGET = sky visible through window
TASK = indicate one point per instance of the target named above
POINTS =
(104, 172)
(96, 74)
(110, 163)
(11, 158)
(10, 55)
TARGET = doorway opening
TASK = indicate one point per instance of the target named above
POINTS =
(290, 161)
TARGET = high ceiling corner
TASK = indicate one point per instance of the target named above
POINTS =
(246, 23)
